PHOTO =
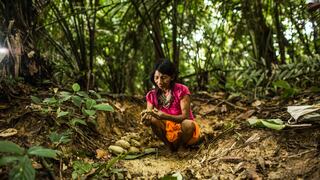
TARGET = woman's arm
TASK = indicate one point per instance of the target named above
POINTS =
(145, 114)
(185, 110)
(149, 106)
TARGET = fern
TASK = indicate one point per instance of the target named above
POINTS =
(19, 159)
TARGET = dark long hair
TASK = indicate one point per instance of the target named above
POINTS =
(166, 67)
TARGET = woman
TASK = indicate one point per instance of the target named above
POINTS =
(168, 109)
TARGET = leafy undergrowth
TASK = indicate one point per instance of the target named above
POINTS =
(231, 149)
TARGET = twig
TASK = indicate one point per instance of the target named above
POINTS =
(220, 155)
(87, 139)
(213, 109)
(233, 105)
(298, 125)
(302, 153)
(216, 139)
(18, 116)
(60, 169)
(48, 168)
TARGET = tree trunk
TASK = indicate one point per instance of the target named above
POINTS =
(261, 34)
(316, 40)
(301, 36)
(280, 36)
(176, 48)
(20, 20)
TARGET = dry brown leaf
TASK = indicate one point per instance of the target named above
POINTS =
(224, 108)
(207, 109)
(8, 132)
(101, 154)
(117, 131)
(256, 103)
(36, 165)
(246, 115)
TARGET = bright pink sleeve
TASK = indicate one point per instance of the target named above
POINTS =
(150, 97)
(184, 90)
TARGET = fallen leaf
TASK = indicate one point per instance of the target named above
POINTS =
(246, 115)
(101, 154)
(8, 132)
(224, 108)
(117, 131)
(256, 103)
(36, 165)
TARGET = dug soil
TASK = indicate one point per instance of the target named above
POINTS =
(230, 148)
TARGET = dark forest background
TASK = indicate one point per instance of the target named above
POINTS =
(258, 47)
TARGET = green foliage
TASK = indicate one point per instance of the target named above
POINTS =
(286, 80)
(288, 90)
(80, 168)
(61, 138)
(35, 99)
(276, 124)
(76, 87)
(19, 159)
(174, 176)
(102, 170)
(42, 152)
(10, 147)
(84, 106)
(112, 40)
(23, 169)
(76, 121)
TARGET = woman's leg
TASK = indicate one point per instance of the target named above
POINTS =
(159, 128)
(187, 129)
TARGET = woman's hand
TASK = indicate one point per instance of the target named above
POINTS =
(158, 114)
(146, 116)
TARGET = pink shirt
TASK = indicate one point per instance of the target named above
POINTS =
(179, 90)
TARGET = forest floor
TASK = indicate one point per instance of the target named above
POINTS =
(231, 149)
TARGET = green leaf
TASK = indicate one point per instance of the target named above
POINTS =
(275, 121)
(35, 99)
(272, 125)
(253, 121)
(62, 113)
(76, 87)
(282, 84)
(93, 121)
(175, 176)
(80, 168)
(23, 171)
(8, 159)
(103, 107)
(10, 147)
(150, 150)
(95, 93)
(43, 152)
(60, 138)
(133, 156)
(276, 124)
(83, 94)
(52, 100)
(76, 121)
(77, 101)
(90, 103)
(109, 164)
(65, 96)
(146, 152)
(180, 8)
(89, 112)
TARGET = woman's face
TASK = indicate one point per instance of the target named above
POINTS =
(162, 80)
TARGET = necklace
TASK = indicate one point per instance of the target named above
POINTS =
(165, 101)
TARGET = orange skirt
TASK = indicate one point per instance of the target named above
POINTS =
(173, 130)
